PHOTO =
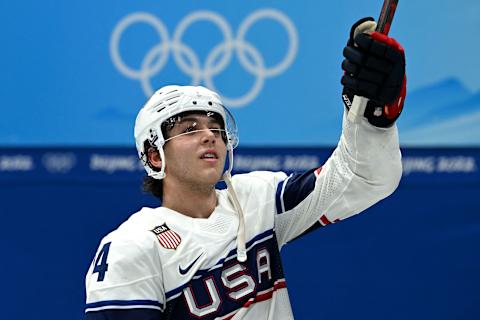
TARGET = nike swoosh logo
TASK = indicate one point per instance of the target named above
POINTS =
(184, 271)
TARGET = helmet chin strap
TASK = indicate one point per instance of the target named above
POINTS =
(162, 156)
(227, 177)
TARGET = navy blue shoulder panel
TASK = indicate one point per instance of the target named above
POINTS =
(314, 227)
(124, 314)
(294, 190)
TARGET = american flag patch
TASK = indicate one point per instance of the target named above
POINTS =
(169, 239)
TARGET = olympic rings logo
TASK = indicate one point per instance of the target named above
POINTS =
(218, 57)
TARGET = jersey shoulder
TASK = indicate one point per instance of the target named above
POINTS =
(126, 268)
(133, 241)
(258, 179)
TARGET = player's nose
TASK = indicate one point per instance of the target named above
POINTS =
(208, 136)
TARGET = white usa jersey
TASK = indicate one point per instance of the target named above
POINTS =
(161, 264)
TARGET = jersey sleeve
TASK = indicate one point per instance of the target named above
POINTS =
(364, 168)
(124, 281)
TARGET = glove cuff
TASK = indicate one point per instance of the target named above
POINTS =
(382, 116)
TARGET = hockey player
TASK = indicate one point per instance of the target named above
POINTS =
(214, 254)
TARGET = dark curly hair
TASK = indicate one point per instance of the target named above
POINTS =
(153, 186)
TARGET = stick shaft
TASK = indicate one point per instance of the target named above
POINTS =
(386, 16)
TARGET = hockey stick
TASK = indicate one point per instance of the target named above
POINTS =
(383, 26)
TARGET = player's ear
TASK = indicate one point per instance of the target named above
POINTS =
(154, 158)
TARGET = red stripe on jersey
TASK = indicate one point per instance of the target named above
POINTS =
(261, 296)
(324, 220)
(268, 295)
(317, 172)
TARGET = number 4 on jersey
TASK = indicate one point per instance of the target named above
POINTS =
(101, 265)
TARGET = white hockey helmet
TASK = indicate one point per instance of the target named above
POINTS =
(168, 102)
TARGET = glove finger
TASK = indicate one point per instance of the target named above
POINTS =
(378, 64)
(356, 56)
(365, 42)
(371, 76)
(353, 55)
(367, 89)
(349, 67)
(394, 55)
(361, 88)
(349, 83)
(393, 49)
(391, 42)
(357, 72)
(390, 50)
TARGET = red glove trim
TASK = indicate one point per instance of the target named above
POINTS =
(391, 42)
(393, 110)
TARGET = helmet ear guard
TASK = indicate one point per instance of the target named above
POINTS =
(149, 147)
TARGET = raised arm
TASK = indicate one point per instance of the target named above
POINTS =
(366, 165)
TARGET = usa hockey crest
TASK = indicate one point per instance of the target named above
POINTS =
(168, 238)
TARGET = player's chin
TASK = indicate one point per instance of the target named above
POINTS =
(212, 170)
(215, 164)
(209, 171)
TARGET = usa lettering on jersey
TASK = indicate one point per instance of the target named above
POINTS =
(228, 287)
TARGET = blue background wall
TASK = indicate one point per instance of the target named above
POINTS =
(62, 85)
(69, 173)
(412, 256)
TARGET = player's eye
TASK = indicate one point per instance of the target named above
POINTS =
(188, 126)
(216, 130)
(189, 129)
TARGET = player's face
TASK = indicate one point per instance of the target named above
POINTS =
(196, 152)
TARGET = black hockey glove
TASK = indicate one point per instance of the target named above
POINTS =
(374, 68)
